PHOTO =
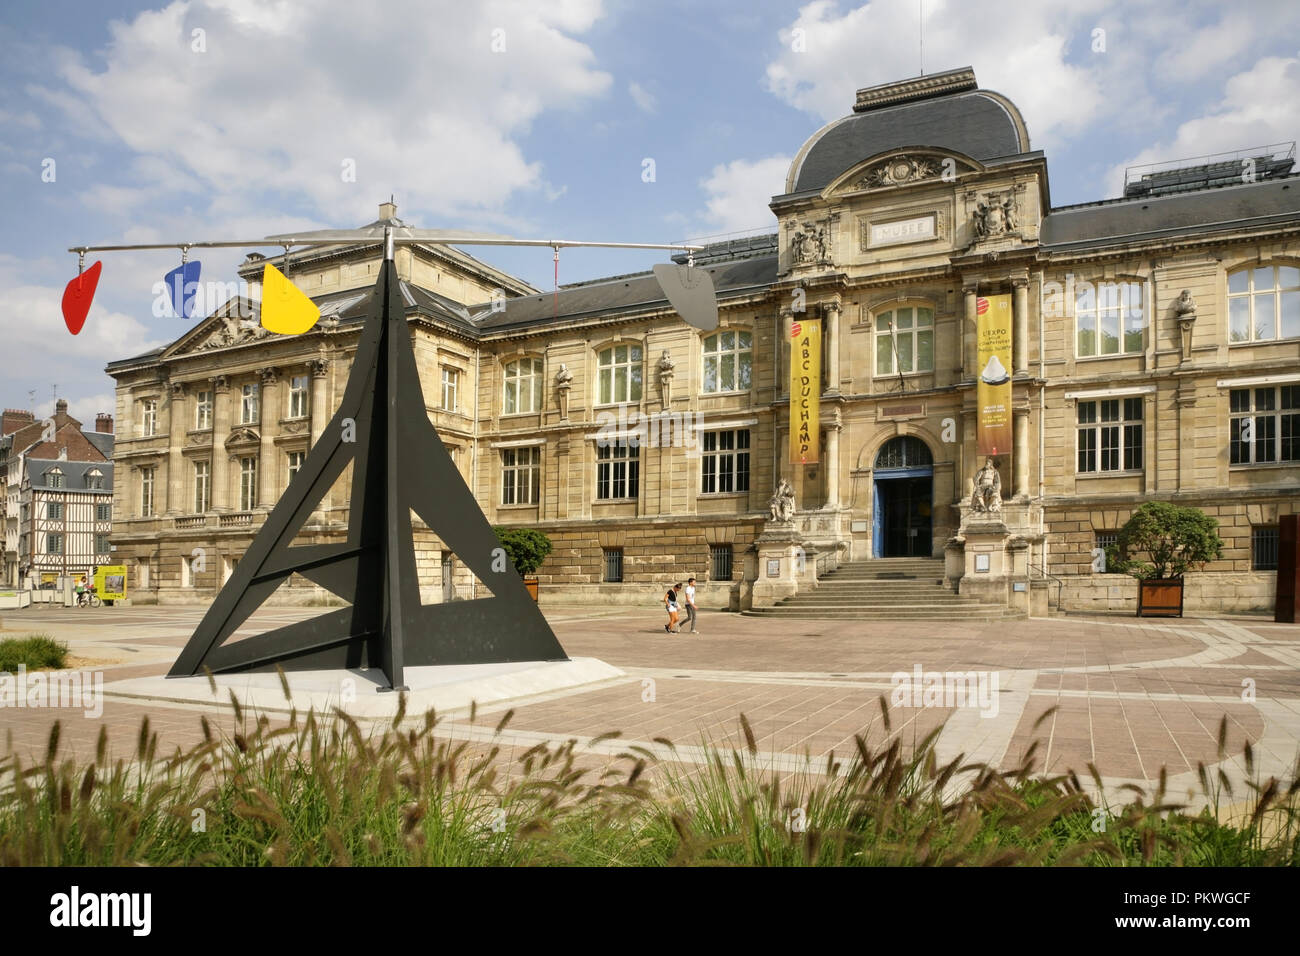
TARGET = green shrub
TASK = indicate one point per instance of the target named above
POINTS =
(34, 651)
(526, 547)
(1176, 540)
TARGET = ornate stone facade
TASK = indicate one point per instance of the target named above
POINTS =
(1120, 393)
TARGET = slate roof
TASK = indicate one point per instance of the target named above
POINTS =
(975, 124)
(634, 292)
(74, 474)
(101, 440)
(1071, 228)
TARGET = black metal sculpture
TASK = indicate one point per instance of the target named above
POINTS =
(399, 466)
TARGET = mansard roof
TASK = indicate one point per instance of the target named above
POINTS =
(1095, 225)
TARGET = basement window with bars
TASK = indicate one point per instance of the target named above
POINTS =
(719, 562)
(1263, 549)
(613, 565)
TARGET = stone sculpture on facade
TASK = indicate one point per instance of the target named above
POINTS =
(986, 496)
(563, 382)
(1185, 313)
(782, 502)
(666, 366)
(993, 217)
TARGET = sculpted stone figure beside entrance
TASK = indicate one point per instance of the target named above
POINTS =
(986, 497)
(782, 502)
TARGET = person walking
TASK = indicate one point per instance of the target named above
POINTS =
(691, 609)
(670, 604)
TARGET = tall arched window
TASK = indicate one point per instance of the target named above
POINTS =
(1263, 304)
(618, 374)
(905, 340)
(523, 390)
(904, 452)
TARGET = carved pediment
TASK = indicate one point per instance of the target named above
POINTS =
(243, 436)
(905, 170)
(228, 330)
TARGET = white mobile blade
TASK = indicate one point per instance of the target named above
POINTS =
(690, 292)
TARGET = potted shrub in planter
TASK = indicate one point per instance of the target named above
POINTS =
(527, 549)
(1175, 540)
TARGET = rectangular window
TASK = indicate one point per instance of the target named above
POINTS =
(146, 490)
(101, 544)
(724, 462)
(1109, 435)
(296, 458)
(905, 341)
(719, 562)
(1109, 318)
(248, 405)
(728, 361)
(450, 387)
(247, 483)
(1264, 304)
(523, 386)
(54, 543)
(202, 410)
(618, 471)
(54, 510)
(613, 565)
(95, 481)
(1263, 549)
(54, 478)
(103, 512)
(1264, 425)
(520, 474)
(298, 396)
(202, 486)
(149, 417)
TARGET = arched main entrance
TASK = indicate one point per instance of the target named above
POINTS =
(903, 480)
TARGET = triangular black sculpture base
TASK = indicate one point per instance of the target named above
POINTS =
(399, 466)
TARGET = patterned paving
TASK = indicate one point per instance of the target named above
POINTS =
(1130, 696)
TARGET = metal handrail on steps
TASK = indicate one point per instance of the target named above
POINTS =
(1060, 582)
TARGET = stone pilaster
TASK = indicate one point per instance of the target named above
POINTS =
(1021, 463)
(832, 464)
(175, 441)
(832, 313)
(969, 358)
(267, 466)
(320, 416)
(1020, 343)
(220, 432)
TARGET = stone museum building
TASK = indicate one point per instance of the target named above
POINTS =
(1154, 355)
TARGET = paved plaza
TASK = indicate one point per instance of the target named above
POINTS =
(1130, 696)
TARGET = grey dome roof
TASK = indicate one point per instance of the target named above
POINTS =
(980, 124)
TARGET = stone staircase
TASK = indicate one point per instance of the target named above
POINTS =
(891, 588)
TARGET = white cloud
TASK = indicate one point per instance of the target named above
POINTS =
(1260, 107)
(739, 191)
(1023, 56)
(645, 100)
(440, 132)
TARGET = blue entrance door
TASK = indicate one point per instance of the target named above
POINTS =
(902, 499)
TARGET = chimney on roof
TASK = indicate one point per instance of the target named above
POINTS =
(388, 210)
(13, 419)
(104, 423)
(61, 407)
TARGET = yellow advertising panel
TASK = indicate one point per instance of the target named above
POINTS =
(993, 388)
(805, 391)
(110, 582)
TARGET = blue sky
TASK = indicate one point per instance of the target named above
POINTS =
(158, 136)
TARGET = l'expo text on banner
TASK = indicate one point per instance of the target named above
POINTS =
(805, 391)
(993, 388)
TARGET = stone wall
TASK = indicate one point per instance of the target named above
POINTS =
(1204, 592)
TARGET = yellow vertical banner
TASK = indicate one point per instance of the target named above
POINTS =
(993, 387)
(805, 391)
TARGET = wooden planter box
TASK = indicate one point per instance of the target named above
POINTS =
(531, 584)
(1160, 597)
